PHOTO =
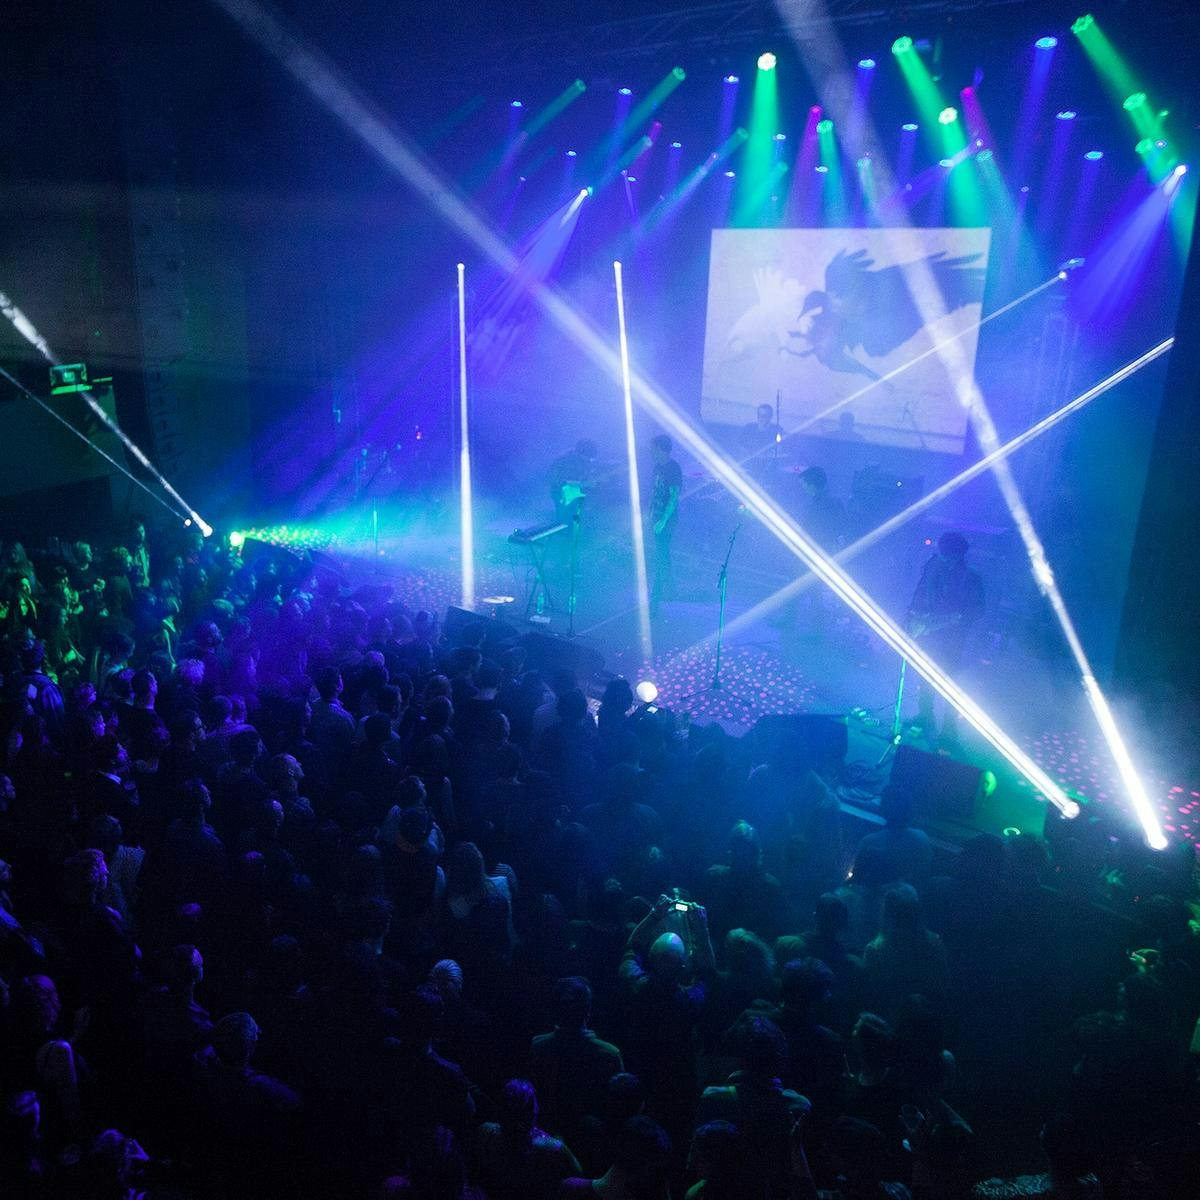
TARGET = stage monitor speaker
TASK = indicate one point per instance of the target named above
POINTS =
(802, 739)
(325, 566)
(548, 653)
(942, 788)
(499, 635)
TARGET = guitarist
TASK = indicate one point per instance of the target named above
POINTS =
(571, 477)
(947, 602)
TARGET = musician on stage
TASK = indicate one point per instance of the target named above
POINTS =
(763, 432)
(571, 476)
(760, 443)
(947, 602)
(663, 517)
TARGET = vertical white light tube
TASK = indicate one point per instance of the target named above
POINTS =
(635, 489)
(466, 507)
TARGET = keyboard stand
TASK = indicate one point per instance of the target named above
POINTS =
(539, 600)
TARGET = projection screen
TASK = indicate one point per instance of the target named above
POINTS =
(816, 315)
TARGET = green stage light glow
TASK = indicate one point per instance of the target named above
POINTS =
(1123, 87)
(635, 122)
(766, 61)
(567, 96)
(293, 537)
(833, 193)
(947, 142)
(759, 156)
(1080, 24)
(902, 45)
(1145, 146)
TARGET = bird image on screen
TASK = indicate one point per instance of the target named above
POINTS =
(827, 317)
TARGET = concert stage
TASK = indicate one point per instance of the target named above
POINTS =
(837, 669)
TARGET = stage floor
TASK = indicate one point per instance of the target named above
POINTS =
(824, 661)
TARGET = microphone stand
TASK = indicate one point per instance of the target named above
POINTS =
(723, 585)
(897, 727)
(576, 522)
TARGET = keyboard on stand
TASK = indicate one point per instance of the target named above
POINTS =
(537, 540)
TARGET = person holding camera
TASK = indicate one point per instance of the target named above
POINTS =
(665, 977)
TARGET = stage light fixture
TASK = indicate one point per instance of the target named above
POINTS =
(516, 104)
(237, 539)
(1180, 170)
(624, 91)
(646, 691)
(572, 154)
(1066, 114)
(909, 127)
(730, 174)
(1145, 146)
(766, 61)
(731, 79)
(825, 126)
(781, 137)
(902, 45)
(679, 73)
(866, 64)
(676, 145)
(821, 169)
(1046, 43)
(1094, 155)
(1137, 100)
(948, 115)
(1082, 24)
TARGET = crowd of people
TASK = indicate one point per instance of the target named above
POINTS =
(302, 897)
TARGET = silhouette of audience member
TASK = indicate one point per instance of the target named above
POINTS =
(571, 1066)
(905, 852)
(740, 893)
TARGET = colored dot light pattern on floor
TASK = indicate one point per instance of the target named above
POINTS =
(753, 682)
(1082, 764)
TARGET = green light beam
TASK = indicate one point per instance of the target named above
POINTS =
(759, 155)
(567, 96)
(837, 212)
